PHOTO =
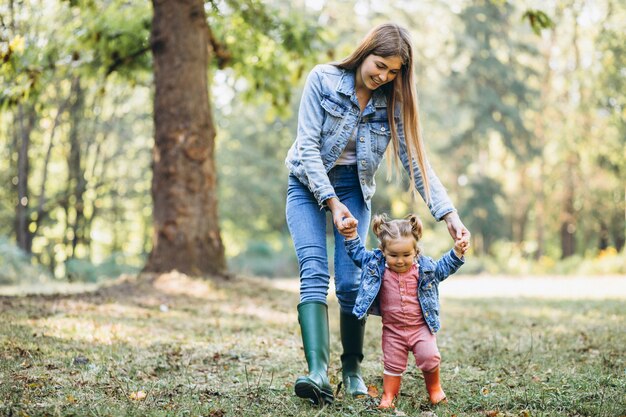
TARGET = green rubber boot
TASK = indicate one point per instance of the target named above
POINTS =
(313, 318)
(352, 331)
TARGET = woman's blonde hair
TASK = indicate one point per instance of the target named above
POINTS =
(387, 230)
(385, 40)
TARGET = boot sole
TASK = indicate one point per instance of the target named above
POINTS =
(310, 391)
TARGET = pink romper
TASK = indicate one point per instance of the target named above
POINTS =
(404, 328)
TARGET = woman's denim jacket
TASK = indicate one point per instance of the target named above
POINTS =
(431, 273)
(329, 116)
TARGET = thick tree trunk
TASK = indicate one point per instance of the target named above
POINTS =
(184, 184)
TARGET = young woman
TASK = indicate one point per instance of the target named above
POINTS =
(349, 113)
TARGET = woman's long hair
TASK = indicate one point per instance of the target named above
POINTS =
(390, 39)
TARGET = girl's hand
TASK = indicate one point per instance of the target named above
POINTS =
(350, 231)
(460, 247)
(342, 218)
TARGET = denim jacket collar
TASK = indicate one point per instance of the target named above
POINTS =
(426, 264)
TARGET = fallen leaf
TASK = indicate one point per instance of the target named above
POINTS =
(70, 399)
(138, 396)
(372, 391)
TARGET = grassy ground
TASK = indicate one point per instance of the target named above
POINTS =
(170, 345)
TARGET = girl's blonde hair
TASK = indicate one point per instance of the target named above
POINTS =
(387, 230)
(385, 40)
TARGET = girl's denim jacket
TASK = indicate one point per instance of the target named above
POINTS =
(431, 273)
(329, 116)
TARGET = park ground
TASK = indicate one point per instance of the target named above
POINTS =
(173, 345)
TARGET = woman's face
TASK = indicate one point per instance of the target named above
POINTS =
(375, 71)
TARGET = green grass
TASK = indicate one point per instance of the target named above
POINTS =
(203, 348)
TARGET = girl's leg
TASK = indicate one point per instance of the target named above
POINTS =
(391, 388)
(307, 225)
(428, 358)
(395, 355)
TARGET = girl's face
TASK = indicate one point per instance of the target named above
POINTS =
(400, 253)
(375, 71)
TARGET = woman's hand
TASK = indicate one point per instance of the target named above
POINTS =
(457, 229)
(342, 218)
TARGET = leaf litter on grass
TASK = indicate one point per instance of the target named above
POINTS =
(233, 347)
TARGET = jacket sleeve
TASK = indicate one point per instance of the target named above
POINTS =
(440, 203)
(447, 265)
(357, 252)
(309, 138)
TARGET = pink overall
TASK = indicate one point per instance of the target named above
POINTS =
(404, 328)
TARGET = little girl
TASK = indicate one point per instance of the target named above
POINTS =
(401, 285)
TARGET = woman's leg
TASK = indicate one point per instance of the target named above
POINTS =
(307, 225)
(347, 279)
(347, 275)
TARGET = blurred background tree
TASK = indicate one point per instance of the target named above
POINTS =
(524, 122)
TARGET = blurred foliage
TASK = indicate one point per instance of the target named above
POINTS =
(508, 117)
(538, 20)
(83, 270)
(16, 266)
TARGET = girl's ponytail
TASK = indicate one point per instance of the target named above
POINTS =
(416, 226)
(378, 223)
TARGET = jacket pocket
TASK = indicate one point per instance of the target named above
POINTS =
(380, 136)
(335, 113)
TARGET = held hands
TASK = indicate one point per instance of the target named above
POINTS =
(345, 223)
(460, 247)
(459, 233)
(349, 224)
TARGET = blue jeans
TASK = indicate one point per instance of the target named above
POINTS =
(307, 225)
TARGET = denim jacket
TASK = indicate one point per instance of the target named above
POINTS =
(431, 273)
(329, 116)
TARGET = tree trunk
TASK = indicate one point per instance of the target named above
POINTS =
(521, 207)
(184, 184)
(541, 119)
(26, 124)
(77, 183)
(568, 213)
